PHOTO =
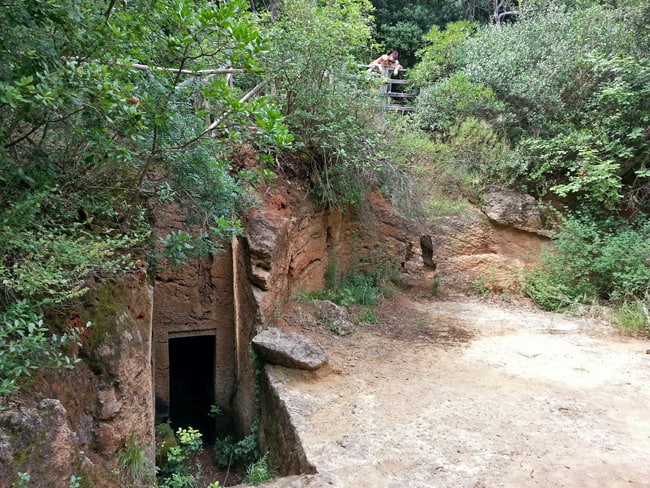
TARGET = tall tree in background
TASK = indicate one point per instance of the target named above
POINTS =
(316, 62)
(569, 88)
(401, 24)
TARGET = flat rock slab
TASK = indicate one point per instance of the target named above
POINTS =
(532, 400)
(289, 349)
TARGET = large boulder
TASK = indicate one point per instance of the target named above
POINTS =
(514, 209)
(288, 349)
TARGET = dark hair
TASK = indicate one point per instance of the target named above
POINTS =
(395, 54)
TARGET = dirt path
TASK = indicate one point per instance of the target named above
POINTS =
(474, 395)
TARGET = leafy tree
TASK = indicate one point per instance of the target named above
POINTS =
(402, 24)
(438, 54)
(106, 110)
(446, 103)
(324, 93)
(567, 85)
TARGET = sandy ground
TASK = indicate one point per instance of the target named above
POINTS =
(472, 394)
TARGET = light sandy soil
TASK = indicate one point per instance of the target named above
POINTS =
(472, 394)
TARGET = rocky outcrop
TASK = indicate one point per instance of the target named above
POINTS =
(288, 349)
(89, 414)
(293, 244)
(475, 255)
(38, 441)
(513, 209)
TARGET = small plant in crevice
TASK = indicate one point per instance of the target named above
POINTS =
(136, 469)
(259, 471)
(230, 452)
(215, 411)
(435, 287)
(423, 322)
(23, 480)
(480, 287)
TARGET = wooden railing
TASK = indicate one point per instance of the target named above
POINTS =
(394, 100)
(393, 97)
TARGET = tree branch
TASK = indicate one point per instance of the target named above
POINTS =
(216, 123)
(201, 72)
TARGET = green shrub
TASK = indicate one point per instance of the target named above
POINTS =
(136, 469)
(178, 472)
(229, 452)
(368, 316)
(27, 345)
(355, 287)
(549, 290)
(438, 58)
(633, 316)
(259, 471)
(593, 260)
(447, 102)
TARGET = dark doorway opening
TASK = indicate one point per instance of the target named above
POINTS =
(191, 384)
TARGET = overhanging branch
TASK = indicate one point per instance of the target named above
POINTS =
(216, 123)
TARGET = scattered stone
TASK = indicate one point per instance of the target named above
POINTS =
(289, 349)
(336, 317)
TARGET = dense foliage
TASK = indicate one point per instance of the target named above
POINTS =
(402, 24)
(607, 260)
(106, 110)
(558, 104)
(325, 94)
(567, 86)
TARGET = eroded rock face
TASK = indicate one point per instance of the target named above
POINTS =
(475, 255)
(293, 244)
(90, 412)
(37, 433)
(289, 349)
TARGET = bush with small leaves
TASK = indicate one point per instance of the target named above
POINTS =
(27, 345)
